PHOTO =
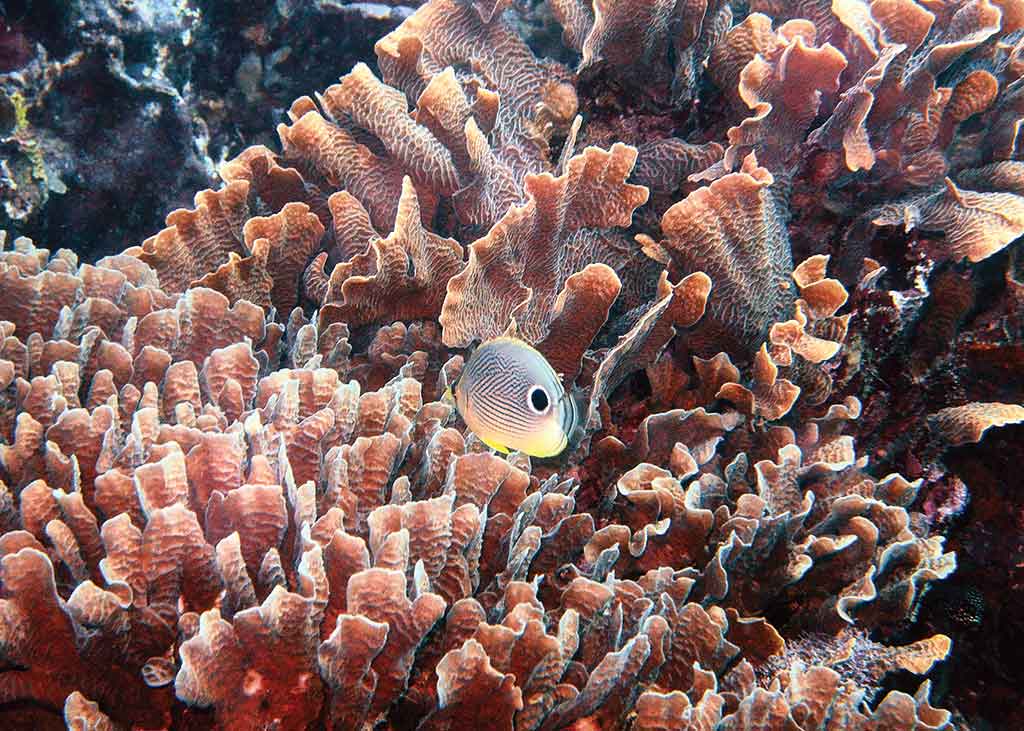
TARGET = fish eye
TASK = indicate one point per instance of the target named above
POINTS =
(538, 399)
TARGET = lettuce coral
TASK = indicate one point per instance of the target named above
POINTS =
(231, 489)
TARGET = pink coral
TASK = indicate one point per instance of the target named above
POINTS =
(231, 488)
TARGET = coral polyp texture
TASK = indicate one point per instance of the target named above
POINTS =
(770, 245)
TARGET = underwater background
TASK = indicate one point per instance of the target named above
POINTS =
(766, 257)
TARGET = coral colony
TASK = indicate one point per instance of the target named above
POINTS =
(234, 497)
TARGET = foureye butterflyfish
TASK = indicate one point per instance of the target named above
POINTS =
(510, 396)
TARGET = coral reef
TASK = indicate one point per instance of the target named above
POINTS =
(751, 236)
(97, 95)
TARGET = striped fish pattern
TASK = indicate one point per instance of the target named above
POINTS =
(511, 397)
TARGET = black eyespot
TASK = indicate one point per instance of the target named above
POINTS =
(538, 399)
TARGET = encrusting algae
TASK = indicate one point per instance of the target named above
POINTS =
(235, 495)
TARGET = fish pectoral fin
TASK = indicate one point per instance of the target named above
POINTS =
(495, 446)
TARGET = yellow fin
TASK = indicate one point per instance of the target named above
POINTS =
(494, 445)
(543, 450)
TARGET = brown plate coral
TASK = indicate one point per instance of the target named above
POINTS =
(754, 235)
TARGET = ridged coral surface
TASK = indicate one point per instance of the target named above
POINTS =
(233, 494)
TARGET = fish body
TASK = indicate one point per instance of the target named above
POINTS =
(510, 396)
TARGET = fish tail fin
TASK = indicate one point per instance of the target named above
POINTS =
(579, 411)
